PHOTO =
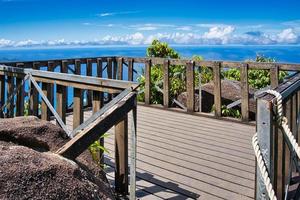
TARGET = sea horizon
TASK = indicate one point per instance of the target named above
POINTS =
(281, 53)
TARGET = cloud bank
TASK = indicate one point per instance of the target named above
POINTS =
(215, 35)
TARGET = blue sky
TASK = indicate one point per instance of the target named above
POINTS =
(28, 23)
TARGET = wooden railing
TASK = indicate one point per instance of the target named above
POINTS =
(277, 150)
(29, 84)
(117, 67)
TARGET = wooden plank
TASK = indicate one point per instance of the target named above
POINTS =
(10, 89)
(109, 70)
(264, 138)
(45, 114)
(120, 69)
(20, 95)
(274, 76)
(298, 116)
(190, 86)
(166, 84)
(217, 89)
(89, 72)
(121, 156)
(115, 68)
(34, 98)
(130, 69)
(98, 96)
(245, 93)
(98, 103)
(96, 129)
(147, 90)
(287, 154)
(78, 100)
(70, 79)
(50, 92)
(2, 93)
(61, 96)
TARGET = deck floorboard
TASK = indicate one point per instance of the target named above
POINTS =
(182, 156)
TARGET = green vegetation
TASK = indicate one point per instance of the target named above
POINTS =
(257, 78)
(96, 148)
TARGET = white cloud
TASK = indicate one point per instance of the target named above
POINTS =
(184, 28)
(287, 36)
(6, 43)
(219, 35)
(147, 28)
(215, 35)
(106, 14)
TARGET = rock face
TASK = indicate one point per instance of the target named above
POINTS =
(29, 170)
(231, 91)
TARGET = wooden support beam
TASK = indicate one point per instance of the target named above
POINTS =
(109, 73)
(130, 70)
(166, 85)
(45, 114)
(10, 89)
(265, 139)
(78, 100)
(61, 96)
(98, 127)
(217, 89)
(50, 92)
(274, 76)
(2, 93)
(89, 72)
(20, 95)
(245, 92)
(190, 86)
(34, 98)
(121, 156)
(147, 90)
(120, 69)
(115, 66)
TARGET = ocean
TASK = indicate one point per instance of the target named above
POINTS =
(290, 54)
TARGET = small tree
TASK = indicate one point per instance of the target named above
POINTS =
(176, 73)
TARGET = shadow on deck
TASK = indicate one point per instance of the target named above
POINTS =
(182, 156)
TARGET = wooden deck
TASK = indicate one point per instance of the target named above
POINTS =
(182, 156)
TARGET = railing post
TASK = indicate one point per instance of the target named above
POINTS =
(61, 95)
(20, 95)
(148, 82)
(10, 89)
(133, 153)
(115, 68)
(130, 69)
(166, 83)
(109, 73)
(51, 68)
(89, 72)
(217, 88)
(274, 76)
(264, 127)
(97, 105)
(2, 93)
(34, 98)
(45, 114)
(245, 92)
(121, 156)
(190, 86)
(78, 100)
(120, 69)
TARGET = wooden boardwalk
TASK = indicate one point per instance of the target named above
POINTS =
(182, 156)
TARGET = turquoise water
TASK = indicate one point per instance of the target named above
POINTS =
(289, 54)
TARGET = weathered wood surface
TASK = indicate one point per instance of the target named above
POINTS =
(181, 156)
